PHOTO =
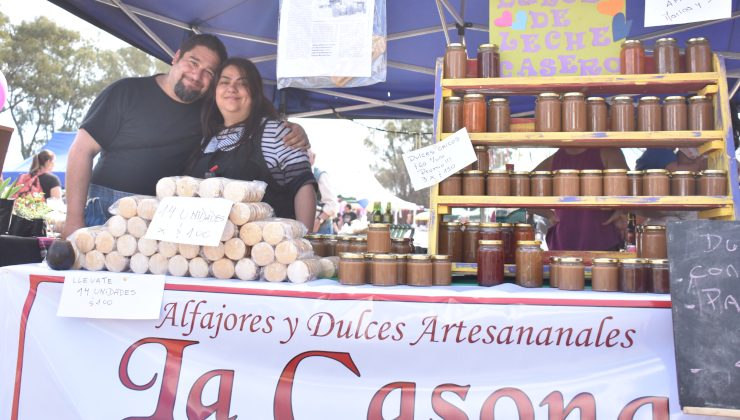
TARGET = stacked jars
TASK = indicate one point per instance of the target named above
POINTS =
(666, 56)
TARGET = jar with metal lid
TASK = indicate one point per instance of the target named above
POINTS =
(632, 57)
(331, 245)
(634, 178)
(574, 112)
(441, 270)
(491, 231)
(698, 55)
(419, 270)
(653, 242)
(379, 238)
(596, 114)
(385, 270)
(592, 182)
(452, 114)
(507, 237)
(498, 183)
(554, 271)
(666, 56)
(529, 267)
(499, 115)
(519, 183)
(452, 185)
(655, 182)
(633, 275)
(675, 114)
(490, 263)
(358, 244)
(401, 268)
(343, 242)
(481, 164)
(540, 184)
(451, 240)
(488, 60)
(471, 235)
(473, 183)
(474, 113)
(455, 61)
(318, 244)
(402, 246)
(547, 112)
(649, 115)
(571, 274)
(369, 267)
(616, 182)
(683, 183)
(622, 114)
(659, 276)
(700, 113)
(566, 182)
(523, 232)
(713, 182)
(605, 275)
(352, 269)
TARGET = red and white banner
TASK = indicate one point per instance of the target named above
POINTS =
(223, 349)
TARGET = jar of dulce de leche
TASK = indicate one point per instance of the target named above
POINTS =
(666, 56)
(450, 240)
(547, 113)
(649, 115)
(491, 231)
(683, 183)
(698, 55)
(574, 112)
(632, 57)
(481, 164)
(655, 182)
(498, 183)
(519, 183)
(633, 275)
(592, 182)
(473, 183)
(317, 244)
(659, 276)
(653, 242)
(523, 232)
(419, 270)
(554, 270)
(452, 185)
(571, 274)
(441, 270)
(385, 270)
(566, 182)
(474, 113)
(402, 246)
(401, 267)
(507, 237)
(700, 113)
(471, 236)
(358, 244)
(455, 61)
(616, 182)
(499, 116)
(379, 238)
(675, 114)
(634, 179)
(540, 184)
(605, 275)
(343, 242)
(713, 182)
(529, 266)
(622, 114)
(490, 263)
(452, 114)
(596, 114)
(488, 60)
(352, 269)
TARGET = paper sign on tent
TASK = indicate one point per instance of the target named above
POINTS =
(430, 165)
(675, 12)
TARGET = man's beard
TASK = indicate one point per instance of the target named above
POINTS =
(184, 93)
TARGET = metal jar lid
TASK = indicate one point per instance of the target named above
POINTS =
(615, 171)
(656, 261)
(454, 45)
(697, 40)
(359, 239)
(490, 242)
(520, 173)
(605, 260)
(474, 172)
(714, 172)
(571, 260)
(679, 173)
(379, 226)
(595, 99)
(440, 257)
(632, 42)
(541, 173)
(490, 225)
(591, 172)
(622, 99)
(697, 98)
(498, 100)
(488, 47)
(419, 257)
(577, 95)
(452, 224)
(351, 256)
(472, 224)
(523, 225)
(529, 243)
(635, 172)
(675, 99)
(472, 96)
(384, 257)
(453, 99)
(667, 40)
(549, 95)
(567, 172)
(498, 172)
(506, 225)
(633, 261)
(649, 99)
(654, 227)
(656, 171)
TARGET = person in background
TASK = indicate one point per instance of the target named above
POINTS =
(348, 216)
(326, 205)
(40, 172)
(662, 158)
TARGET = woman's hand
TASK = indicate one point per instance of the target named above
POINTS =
(296, 137)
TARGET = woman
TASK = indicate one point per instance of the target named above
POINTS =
(242, 139)
(39, 177)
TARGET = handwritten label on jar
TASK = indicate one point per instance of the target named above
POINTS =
(430, 165)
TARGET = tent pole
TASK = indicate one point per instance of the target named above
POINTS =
(734, 89)
(443, 21)
(143, 27)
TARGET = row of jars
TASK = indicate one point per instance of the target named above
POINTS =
(394, 269)
(376, 241)
(460, 241)
(666, 56)
(488, 61)
(587, 182)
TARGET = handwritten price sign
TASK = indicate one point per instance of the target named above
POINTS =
(430, 165)
(190, 220)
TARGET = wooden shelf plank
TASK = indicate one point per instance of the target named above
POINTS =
(602, 202)
(706, 139)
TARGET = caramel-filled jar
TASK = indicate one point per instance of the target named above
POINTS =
(540, 184)
(499, 115)
(523, 232)
(318, 244)
(452, 114)
(574, 112)
(683, 183)
(455, 61)
(474, 113)
(616, 182)
(385, 270)
(675, 116)
(634, 179)
(649, 115)
(700, 113)
(633, 275)
(352, 269)
(331, 245)
(488, 60)
(571, 274)
(547, 112)
(596, 114)
(401, 268)
(666, 56)
(592, 182)
(419, 270)
(659, 278)
(358, 244)
(491, 231)
(369, 267)
(605, 275)
(622, 114)
(519, 183)
(713, 182)
(698, 55)
(632, 57)
(481, 152)
(343, 242)
(653, 242)
(507, 237)
(379, 238)
(498, 183)
(656, 182)
(401, 246)
(441, 270)
(473, 183)
(554, 271)
(566, 182)
(450, 240)
(490, 263)
(452, 185)
(471, 236)
(529, 266)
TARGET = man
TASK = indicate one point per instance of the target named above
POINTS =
(145, 128)
(327, 199)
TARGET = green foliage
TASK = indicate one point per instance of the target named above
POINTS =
(8, 189)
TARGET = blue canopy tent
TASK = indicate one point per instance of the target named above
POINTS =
(59, 144)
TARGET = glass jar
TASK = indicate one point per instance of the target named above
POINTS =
(519, 183)
(592, 183)
(385, 270)
(441, 270)
(471, 236)
(713, 182)
(473, 183)
(659, 278)
(698, 55)
(481, 164)
(700, 113)
(419, 270)
(653, 242)
(498, 184)
(491, 231)
(675, 114)
(490, 263)
(616, 182)
(605, 275)
(622, 114)
(683, 183)
(499, 115)
(343, 242)
(488, 60)
(401, 268)
(571, 274)
(666, 56)
(633, 275)
(574, 112)
(632, 57)
(331, 245)
(656, 182)
(358, 244)
(596, 114)
(455, 61)
(507, 237)
(379, 238)
(566, 182)
(554, 271)
(474, 113)
(400, 245)
(523, 232)
(318, 244)
(369, 267)
(649, 115)
(452, 185)
(547, 113)
(452, 114)
(540, 184)
(450, 240)
(351, 269)
(529, 266)
(634, 179)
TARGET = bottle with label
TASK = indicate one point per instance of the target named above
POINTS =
(388, 215)
(629, 238)
(377, 215)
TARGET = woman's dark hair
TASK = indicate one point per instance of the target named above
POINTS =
(40, 160)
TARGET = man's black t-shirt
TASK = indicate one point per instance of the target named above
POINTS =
(145, 135)
(49, 181)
